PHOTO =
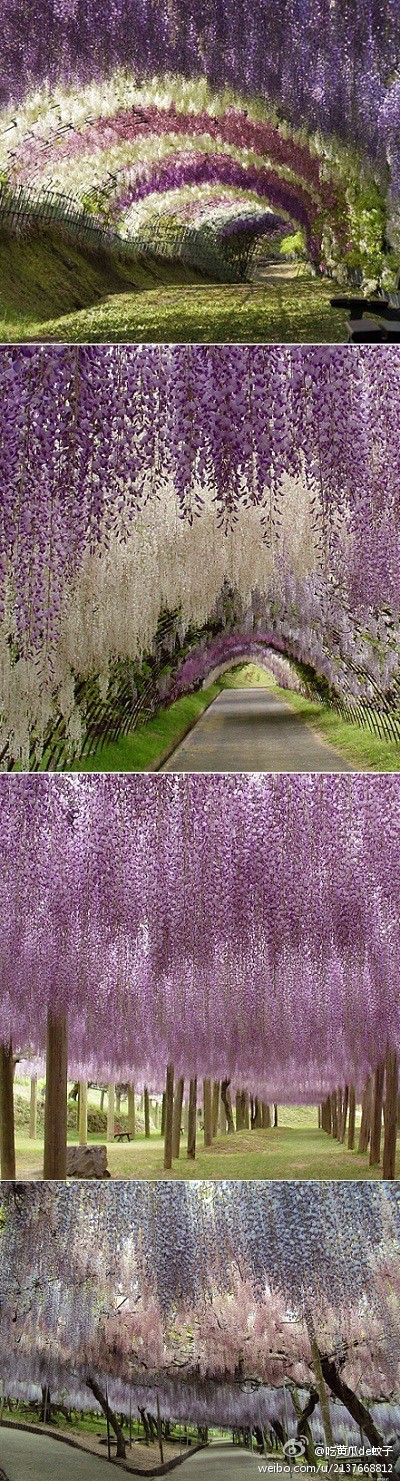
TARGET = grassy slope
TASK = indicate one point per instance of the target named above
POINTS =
(43, 277)
(285, 1152)
(142, 750)
(145, 746)
(53, 290)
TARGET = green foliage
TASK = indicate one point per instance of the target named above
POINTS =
(293, 244)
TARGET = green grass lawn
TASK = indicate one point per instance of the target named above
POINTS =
(221, 313)
(51, 290)
(289, 1151)
(145, 748)
(44, 277)
(364, 750)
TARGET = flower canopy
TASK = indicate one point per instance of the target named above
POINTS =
(212, 1294)
(297, 103)
(242, 927)
(147, 492)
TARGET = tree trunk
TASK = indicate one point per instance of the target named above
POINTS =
(146, 1112)
(345, 1107)
(163, 1114)
(353, 1404)
(146, 1427)
(159, 1431)
(192, 1120)
(176, 1119)
(327, 1108)
(102, 1094)
(169, 1110)
(226, 1101)
(246, 1110)
(275, 1115)
(55, 1111)
(376, 1117)
(112, 1418)
(265, 1116)
(334, 1114)
(352, 1119)
(7, 1130)
(45, 1407)
(303, 1427)
(110, 1111)
(33, 1110)
(391, 1097)
(82, 1113)
(131, 1112)
(365, 1127)
(256, 1119)
(207, 1113)
(320, 1383)
(215, 1107)
(222, 1119)
(239, 1112)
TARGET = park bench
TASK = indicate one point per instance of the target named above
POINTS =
(88, 1161)
(371, 320)
(119, 1134)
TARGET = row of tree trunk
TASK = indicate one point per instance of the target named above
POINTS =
(217, 1110)
(380, 1111)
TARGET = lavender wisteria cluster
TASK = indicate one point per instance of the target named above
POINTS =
(330, 64)
(137, 480)
(133, 104)
(243, 927)
(209, 1295)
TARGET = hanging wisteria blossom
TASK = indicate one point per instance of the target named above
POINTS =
(242, 927)
(149, 494)
(190, 1291)
(111, 104)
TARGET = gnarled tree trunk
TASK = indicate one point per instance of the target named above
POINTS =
(227, 1103)
(352, 1403)
(109, 1413)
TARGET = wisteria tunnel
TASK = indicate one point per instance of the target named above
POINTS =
(213, 943)
(164, 510)
(206, 137)
(235, 1305)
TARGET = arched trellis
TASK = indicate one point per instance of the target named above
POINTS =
(104, 153)
(151, 496)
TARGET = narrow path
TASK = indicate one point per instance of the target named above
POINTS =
(221, 1462)
(253, 730)
(226, 1462)
(27, 1457)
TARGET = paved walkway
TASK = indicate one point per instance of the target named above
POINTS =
(27, 1457)
(253, 730)
(221, 1462)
